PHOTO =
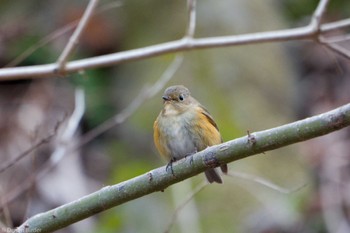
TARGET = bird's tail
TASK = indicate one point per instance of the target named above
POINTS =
(213, 176)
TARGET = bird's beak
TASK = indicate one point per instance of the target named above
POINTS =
(165, 98)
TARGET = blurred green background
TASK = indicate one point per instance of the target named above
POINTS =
(253, 88)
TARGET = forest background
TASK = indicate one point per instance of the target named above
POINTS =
(299, 188)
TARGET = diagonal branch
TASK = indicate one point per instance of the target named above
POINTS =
(337, 48)
(74, 39)
(191, 27)
(333, 26)
(317, 15)
(159, 179)
(56, 34)
(6, 165)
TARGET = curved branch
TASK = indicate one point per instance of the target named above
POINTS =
(158, 179)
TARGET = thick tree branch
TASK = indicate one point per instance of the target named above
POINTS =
(159, 179)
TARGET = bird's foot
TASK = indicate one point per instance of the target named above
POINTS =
(170, 166)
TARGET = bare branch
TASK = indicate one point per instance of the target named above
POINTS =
(74, 39)
(56, 34)
(263, 182)
(25, 153)
(338, 49)
(328, 27)
(49, 70)
(315, 23)
(191, 27)
(335, 39)
(30, 150)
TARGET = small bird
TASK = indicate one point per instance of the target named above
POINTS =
(185, 127)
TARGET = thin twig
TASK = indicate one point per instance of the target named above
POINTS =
(56, 34)
(191, 27)
(74, 39)
(318, 14)
(336, 39)
(31, 149)
(25, 153)
(176, 212)
(264, 182)
(338, 49)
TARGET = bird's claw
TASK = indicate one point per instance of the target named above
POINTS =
(170, 166)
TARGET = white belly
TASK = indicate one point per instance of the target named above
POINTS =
(180, 141)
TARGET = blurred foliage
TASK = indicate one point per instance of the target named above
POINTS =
(98, 89)
(247, 88)
(297, 10)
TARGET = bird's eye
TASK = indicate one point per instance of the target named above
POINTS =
(181, 97)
